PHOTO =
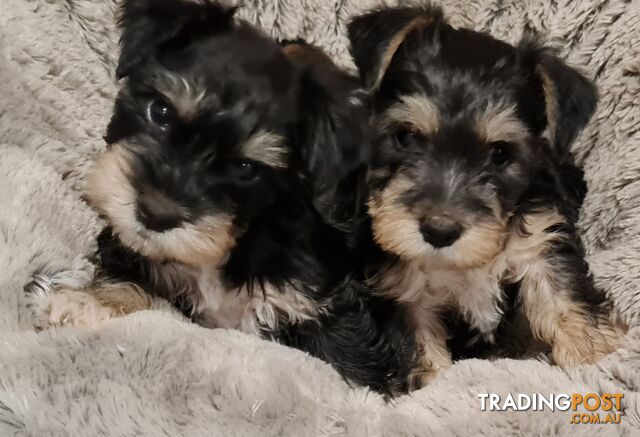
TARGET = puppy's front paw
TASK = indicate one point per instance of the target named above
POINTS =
(427, 370)
(587, 344)
(420, 377)
(64, 307)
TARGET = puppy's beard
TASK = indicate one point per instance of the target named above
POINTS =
(478, 245)
(207, 241)
(397, 230)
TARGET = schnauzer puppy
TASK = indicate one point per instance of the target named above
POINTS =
(472, 185)
(227, 184)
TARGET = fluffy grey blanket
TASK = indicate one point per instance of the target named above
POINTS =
(154, 373)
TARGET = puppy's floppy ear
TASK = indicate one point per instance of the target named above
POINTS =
(330, 138)
(377, 35)
(570, 99)
(147, 25)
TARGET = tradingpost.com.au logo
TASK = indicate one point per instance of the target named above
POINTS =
(590, 408)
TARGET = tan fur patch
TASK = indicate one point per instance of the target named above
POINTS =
(395, 228)
(523, 248)
(419, 23)
(109, 190)
(479, 244)
(499, 123)
(549, 88)
(68, 307)
(431, 338)
(121, 298)
(185, 95)
(91, 305)
(267, 148)
(305, 54)
(415, 110)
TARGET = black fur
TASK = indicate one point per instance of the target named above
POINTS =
(366, 339)
(332, 135)
(149, 26)
(371, 33)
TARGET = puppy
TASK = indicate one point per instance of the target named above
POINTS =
(472, 184)
(213, 184)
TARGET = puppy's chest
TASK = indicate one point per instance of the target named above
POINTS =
(476, 294)
(216, 305)
(460, 287)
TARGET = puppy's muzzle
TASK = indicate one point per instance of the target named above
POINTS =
(157, 212)
(441, 231)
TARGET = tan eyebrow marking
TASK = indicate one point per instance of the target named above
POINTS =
(266, 147)
(500, 123)
(418, 111)
(185, 95)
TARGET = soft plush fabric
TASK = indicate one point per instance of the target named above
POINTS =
(154, 373)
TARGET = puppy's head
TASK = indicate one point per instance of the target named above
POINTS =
(472, 131)
(195, 144)
(330, 141)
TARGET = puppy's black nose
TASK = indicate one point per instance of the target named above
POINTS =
(441, 231)
(158, 213)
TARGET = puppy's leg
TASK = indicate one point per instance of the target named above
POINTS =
(87, 306)
(565, 310)
(431, 339)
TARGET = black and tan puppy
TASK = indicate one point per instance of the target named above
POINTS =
(215, 184)
(472, 184)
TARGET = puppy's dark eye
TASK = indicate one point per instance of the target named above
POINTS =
(161, 113)
(501, 153)
(405, 136)
(246, 171)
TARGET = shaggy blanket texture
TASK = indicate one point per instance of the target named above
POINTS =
(154, 373)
